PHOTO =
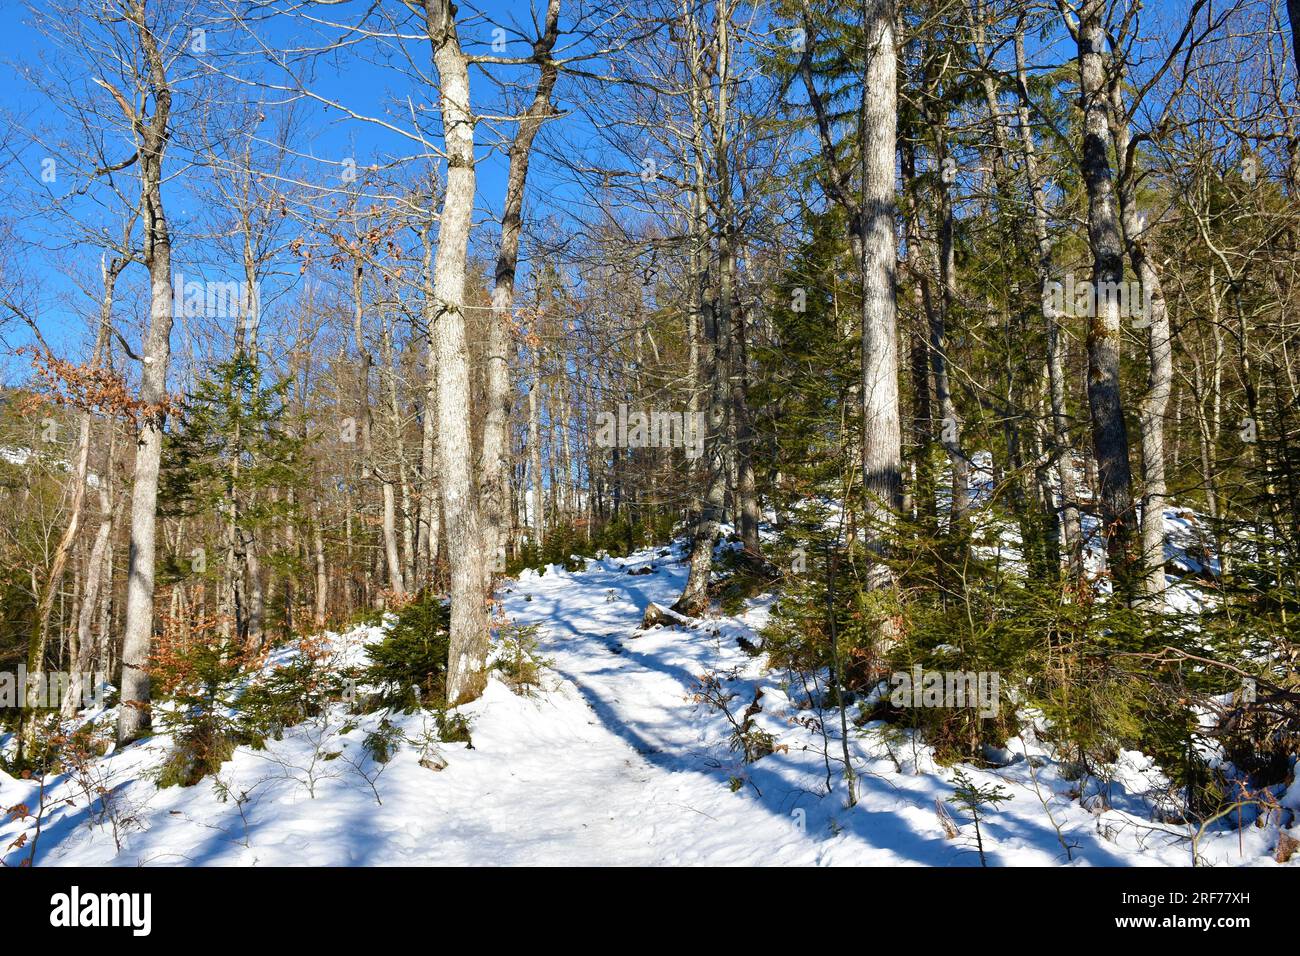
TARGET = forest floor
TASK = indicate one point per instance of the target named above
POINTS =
(613, 760)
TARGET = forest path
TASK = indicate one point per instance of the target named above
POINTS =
(635, 775)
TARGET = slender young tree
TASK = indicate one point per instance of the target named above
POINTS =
(148, 114)
(494, 457)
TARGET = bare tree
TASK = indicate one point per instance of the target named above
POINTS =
(494, 457)
(467, 664)
(148, 114)
(1109, 431)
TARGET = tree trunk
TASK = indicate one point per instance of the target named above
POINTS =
(537, 509)
(882, 427)
(694, 599)
(1160, 365)
(427, 534)
(1106, 407)
(750, 513)
(84, 648)
(467, 658)
(950, 423)
(392, 553)
(322, 577)
(494, 457)
(134, 718)
(923, 495)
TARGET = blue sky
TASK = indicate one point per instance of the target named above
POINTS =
(366, 87)
(328, 139)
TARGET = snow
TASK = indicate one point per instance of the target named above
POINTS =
(14, 456)
(612, 761)
(20, 457)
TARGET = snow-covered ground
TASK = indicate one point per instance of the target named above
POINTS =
(612, 761)
(21, 457)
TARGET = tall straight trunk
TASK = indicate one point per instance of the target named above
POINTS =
(537, 508)
(494, 454)
(134, 717)
(871, 215)
(409, 518)
(105, 646)
(1071, 532)
(568, 495)
(424, 544)
(940, 320)
(950, 420)
(388, 381)
(553, 496)
(729, 368)
(694, 598)
(467, 656)
(366, 426)
(350, 551)
(882, 427)
(229, 598)
(407, 508)
(1160, 363)
(1214, 430)
(427, 532)
(1105, 402)
(919, 267)
(747, 505)
(322, 577)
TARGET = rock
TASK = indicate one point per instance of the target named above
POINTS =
(1286, 847)
(434, 762)
(649, 570)
(656, 616)
(1000, 756)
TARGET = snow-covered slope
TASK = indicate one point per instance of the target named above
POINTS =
(612, 761)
